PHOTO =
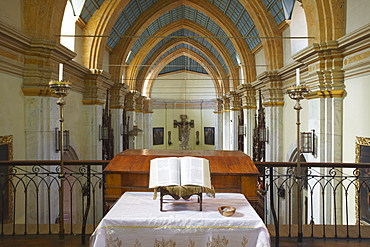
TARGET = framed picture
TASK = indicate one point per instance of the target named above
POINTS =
(158, 136)
(6, 197)
(209, 135)
(363, 200)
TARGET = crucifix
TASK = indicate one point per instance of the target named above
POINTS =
(184, 131)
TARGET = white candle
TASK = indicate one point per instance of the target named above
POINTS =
(297, 77)
(60, 72)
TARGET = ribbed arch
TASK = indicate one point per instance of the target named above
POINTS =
(324, 15)
(132, 71)
(96, 31)
(193, 55)
(41, 24)
(218, 72)
(186, 33)
(267, 27)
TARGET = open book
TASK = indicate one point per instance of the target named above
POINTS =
(179, 171)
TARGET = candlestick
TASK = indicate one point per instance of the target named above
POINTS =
(297, 77)
(60, 72)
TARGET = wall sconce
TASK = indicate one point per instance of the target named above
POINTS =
(197, 137)
(65, 140)
(103, 133)
(135, 131)
(169, 138)
(308, 142)
(241, 130)
(263, 134)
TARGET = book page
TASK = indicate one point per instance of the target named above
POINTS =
(195, 171)
(164, 172)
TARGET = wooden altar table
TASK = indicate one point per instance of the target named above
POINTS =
(135, 220)
(231, 172)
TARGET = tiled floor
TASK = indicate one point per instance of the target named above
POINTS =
(76, 241)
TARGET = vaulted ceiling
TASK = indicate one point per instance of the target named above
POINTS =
(213, 37)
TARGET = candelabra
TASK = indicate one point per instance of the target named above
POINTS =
(298, 93)
(60, 88)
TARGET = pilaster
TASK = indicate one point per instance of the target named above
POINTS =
(325, 77)
(226, 123)
(247, 93)
(218, 125)
(147, 123)
(273, 101)
(235, 106)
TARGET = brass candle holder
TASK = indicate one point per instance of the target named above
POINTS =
(298, 93)
(60, 88)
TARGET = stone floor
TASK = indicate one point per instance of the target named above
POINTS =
(76, 241)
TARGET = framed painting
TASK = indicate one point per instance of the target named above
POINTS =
(158, 136)
(209, 135)
(363, 199)
(6, 154)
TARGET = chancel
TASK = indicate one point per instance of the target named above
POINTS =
(216, 79)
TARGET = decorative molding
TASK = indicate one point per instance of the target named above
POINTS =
(93, 102)
(273, 103)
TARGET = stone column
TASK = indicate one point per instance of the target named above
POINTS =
(226, 123)
(218, 125)
(235, 106)
(130, 105)
(273, 101)
(323, 74)
(139, 121)
(248, 97)
(117, 104)
(147, 124)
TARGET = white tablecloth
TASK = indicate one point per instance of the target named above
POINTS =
(135, 220)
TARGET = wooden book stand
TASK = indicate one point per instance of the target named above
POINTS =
(164, 192)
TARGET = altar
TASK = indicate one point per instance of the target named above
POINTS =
(231, 172)
(135, 220)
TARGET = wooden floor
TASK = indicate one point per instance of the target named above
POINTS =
(76, 241)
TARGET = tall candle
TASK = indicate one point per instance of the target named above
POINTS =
(60, 72)
(297, 77)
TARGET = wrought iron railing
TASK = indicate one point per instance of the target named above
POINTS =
(29, 198)
(336, 199)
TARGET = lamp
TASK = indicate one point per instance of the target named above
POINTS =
(60, 88)
(308, 142)
(65, 140)
(103, 132)
(298, 93)
(241, 130)
(135, 131)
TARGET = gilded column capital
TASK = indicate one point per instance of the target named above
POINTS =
(130, 100)
(225, 104)
(118, 93)
(147, 106)
(247, 94)
(96, 85)
(272, 90)
(235, 101)
(323, 64)
(218, 106)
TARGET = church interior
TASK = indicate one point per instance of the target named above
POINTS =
(281, 81)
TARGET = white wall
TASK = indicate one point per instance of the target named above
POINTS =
(164, 118)
(356, 114)
(11, 13)
(12, 113)
(357, 14)
(183, 86)
(260, 60)
(298, 28)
